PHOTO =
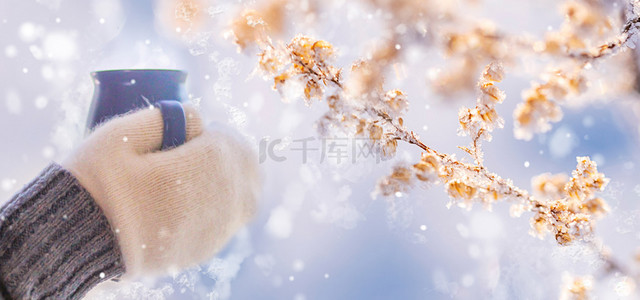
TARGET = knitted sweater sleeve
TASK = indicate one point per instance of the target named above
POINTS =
(55, 242)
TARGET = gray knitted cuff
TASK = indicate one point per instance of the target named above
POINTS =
(55, 242)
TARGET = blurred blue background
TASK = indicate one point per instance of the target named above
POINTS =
(318, 233)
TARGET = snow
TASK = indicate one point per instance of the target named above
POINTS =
(41, 102)
(468, 280)
(562, 142)
(48, 152)
(47, 72)
(265, 262)
(60, 46)
(297, 265)
(13, 102)
(29, 32)
(36, 52)
(299, 297)
(486, 226)
(7, 183)
(280, 223)
(10, 51)
(338, 210)
(225, 268)
(625, 287)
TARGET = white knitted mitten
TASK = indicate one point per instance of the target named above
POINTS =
(170, 209)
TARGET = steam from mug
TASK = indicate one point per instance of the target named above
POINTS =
(120, 91)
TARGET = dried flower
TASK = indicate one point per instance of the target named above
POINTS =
(395, 103)
(399, 181)
(480, 121)
(427, 169)
(576, 288)
(360, 106)
(549, 186)
(256, 26)
(470, 50)
(569, 212)
(459, 190)
(540, 106)
(377, 116)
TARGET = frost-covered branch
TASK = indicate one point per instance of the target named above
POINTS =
(359, 106)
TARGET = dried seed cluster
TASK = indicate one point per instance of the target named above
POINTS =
(569, 206)
(377, 115)
(541, 103)
(358, 105)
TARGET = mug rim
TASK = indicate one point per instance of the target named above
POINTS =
(135, 71)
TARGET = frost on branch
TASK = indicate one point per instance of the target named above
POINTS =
(479, 122)
(570, 206)
(465, 183)
(565, 207)
(587, 34)
(255, 26)
(585, 26)
(305, 60)
(468, 49)
(359, 107)
(540, 107)
(576, 288)
(376, 115)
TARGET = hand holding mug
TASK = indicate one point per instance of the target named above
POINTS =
(170, 209)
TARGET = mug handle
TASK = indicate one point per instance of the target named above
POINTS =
(175, 123)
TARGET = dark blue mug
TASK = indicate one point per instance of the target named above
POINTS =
(120, 91)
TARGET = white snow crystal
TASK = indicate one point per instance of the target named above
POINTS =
(29, 32)
(588, 121)
(53, 4)
(280, 223)
(10, 51)
(486, 225)
(48, 152)
(463, 230)
(599, 159)
(467, 280)
(265, 263)
(7, 184)
(625, 286)
(36, 52)
(298, 265)
(201, 43)
(13, 102)
(338, 210)
(237, 117)
(41, 102)
(474, 251)
(562, 142)
(224, 269)
(60, 46)
(47, 72)
(299, 297)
